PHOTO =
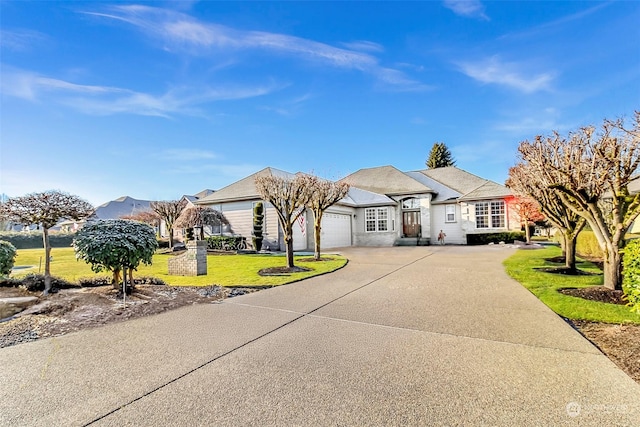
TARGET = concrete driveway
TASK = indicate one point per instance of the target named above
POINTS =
(400, 336)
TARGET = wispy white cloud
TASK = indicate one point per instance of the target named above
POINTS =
(467, 8)
(364, 46)
(495, 71)
(21, 39)
(186, 154)
(288, 107)
(105, 100)
(560, 23)
(183, 33)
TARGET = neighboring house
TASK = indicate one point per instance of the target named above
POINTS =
(122, 206)
(384, 207)
(188, 202)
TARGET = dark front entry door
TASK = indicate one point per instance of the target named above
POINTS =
(411, 224)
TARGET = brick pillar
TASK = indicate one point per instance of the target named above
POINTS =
(191, 263)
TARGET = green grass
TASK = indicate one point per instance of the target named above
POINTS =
(545, 286)
(223, 270)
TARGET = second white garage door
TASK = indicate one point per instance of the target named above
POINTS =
(336, 231)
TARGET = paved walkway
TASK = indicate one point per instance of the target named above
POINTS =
(400, 336)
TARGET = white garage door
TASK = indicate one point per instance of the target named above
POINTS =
(336, 231)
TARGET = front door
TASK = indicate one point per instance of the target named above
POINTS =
(411, 224)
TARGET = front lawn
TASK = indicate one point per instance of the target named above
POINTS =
(223, 270)
(521, 266)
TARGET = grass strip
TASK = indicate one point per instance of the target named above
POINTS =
(522, 267)
(223, 270)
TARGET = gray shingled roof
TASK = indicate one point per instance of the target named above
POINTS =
(488, 190)
(443, 192)
(245, 189)
(457, 179)
(121, 207)
(470, 186)
(358, 197)
(386, 180)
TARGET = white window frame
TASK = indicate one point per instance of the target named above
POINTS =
(376, 220)
(493, 214)
(412, 203)
(449, 210)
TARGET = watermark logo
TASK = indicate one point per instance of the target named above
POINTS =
(573, 409)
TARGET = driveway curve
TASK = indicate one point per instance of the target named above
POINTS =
(400, 336)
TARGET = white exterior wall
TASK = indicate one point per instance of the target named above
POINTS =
(453, 230)
(425, 217)
(375, 238)
(240, 217)
(468, 215)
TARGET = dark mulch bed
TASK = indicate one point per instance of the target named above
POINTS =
(596, 293)
(281, 271)
(566, 271)
(621, 343)
(556, 259)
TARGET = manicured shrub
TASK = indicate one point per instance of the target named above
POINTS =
(7, 257)
(33, 239)
(631, 274)
(587, 245)
(484, 239)
(221, 242)
(258, 219)
(35, 283)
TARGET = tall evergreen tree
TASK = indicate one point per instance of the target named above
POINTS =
(440, 156)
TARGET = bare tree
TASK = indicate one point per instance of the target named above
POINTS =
(528, 210)
(289, 196)
(324, 194)
(168, 211)
(45, 209)
(148, 217)
(523, 181)
(591, 171)
(199, 217)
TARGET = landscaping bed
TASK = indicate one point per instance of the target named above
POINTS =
(70, 310)
(598, 313)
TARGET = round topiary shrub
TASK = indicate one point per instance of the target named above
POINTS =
(631, 274)
(7, 257)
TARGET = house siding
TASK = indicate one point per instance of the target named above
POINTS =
(375, 238)
(240, 218)
(468, 215)
(453, 230)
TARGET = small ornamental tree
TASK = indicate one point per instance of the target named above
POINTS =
(324, 194)
(528, 210)
(289, 196)
(148, 217)
(591, 171)
(199, 217)
(440, 156)
(7, 257)
(114, 244)
(258, 226)
(523, 181)
(46, 210)
(168, 211)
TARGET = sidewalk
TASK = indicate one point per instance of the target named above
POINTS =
(400, 336)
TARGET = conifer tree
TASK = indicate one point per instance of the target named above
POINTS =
(440, 156)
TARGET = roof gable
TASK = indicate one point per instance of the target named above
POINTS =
(357, 197)
(122, 206)
(469, 186)
(245, 189)
(386, 180)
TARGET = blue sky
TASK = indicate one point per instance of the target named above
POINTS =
(159, 99)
